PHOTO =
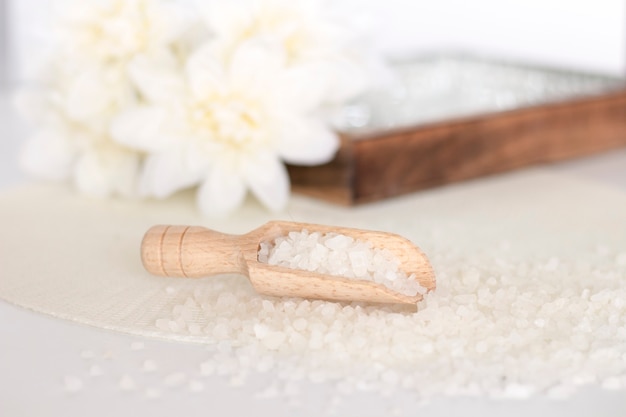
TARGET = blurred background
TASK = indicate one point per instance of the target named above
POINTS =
(577, 34)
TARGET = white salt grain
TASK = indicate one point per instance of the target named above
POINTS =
(339, 255)
(137, 346)
(87, 354)
(498, 326)
(196, 386)
(207, 368)
(152, 393)
(274, 340)
(175, 379)
(95, 370)
(612, 383)
(72, 383)
(149, 365)
(127, 383)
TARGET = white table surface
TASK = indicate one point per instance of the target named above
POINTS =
(38, 352)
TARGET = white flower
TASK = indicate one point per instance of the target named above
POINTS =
(100, 39)
(226, 126)
(105, 31)
(63, 149)
(87, 82)
(313, 39)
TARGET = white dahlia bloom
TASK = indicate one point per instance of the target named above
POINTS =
(312, 37)
(62, 149)
(105, 31)
(225, 125)
(87, 82)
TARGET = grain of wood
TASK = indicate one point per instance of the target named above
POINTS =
(391, 163)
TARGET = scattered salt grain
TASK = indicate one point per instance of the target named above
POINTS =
(271, 391)
(175, 379)
(339, 255)
(498, 326)
(127, 383)
(72, 383)
(196, 386)
(612, 383)
(108, 354)
(274, 340)
(207, 368)
(95, 370)
(87, 354)
(152, 393)
(149, 365)
(137, 346)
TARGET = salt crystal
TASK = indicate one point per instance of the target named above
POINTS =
(87, 354)
(237, 380)
(518, 391)
(127, 383)
(149, 365)
(395, 411)
(174, 326)
(542, 324)
(271, 391)
(299, 324)
(72, 383)
(207, 368)
(274, 340)
(195, 329)
(261, 330)
(196, 386)
(137, 346)
(162, 324)
(338, 255)
(152, 393)
(95, 370)
(612, 383)
(221, 331)
(175, 379)
(552, 264)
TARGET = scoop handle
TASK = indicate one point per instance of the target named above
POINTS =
(190, 251)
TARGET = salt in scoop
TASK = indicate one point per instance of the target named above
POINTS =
(193, 252)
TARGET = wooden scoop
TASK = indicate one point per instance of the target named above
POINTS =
(188, 251)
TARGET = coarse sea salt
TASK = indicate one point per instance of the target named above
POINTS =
(73, 383)
(339, 255)
(498, 326)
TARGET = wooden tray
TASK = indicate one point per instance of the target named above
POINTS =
(386, 159)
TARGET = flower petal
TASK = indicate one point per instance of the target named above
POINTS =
(90, 176)
(88, 96)
(268, 180)
(257, 63)
(205, 72)
(307, 142)
(141, 128)
(49, 155)
(167, 172)
(221, 192)
(303, 87)
(104, 171)
(31, 105)
(158, 77)
(169, 20)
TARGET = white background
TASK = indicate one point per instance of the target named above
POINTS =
(573, 33)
